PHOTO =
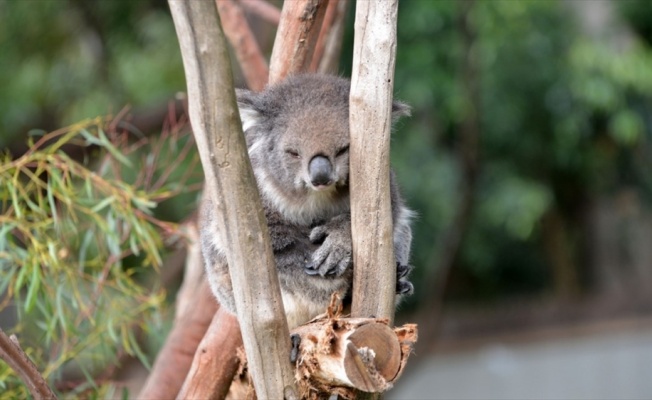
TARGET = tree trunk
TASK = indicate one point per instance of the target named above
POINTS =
(231, 186)
(374, 55)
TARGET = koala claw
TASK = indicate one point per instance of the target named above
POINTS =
(332, 258)
(328, 264)
(310, 270)
(402, 270)
(404, 287)
(294, 352)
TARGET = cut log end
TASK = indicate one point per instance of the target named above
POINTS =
(378, 348)
(342, 355)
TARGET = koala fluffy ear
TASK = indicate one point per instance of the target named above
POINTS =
(250, 114)
(400, 109)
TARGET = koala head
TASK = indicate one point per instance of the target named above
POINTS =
(297, 133)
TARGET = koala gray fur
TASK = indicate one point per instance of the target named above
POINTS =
(297, 134)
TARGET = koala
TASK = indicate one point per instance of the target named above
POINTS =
(297, 135)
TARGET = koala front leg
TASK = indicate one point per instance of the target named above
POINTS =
(333, 257)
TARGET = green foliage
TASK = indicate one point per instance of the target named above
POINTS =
(76, 244)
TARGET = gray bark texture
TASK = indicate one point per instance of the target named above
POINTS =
(230, 184)
(374, 55)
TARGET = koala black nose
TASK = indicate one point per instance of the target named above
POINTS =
(320, 170)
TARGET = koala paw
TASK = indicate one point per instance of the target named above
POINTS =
(333, 257)
(403, 285)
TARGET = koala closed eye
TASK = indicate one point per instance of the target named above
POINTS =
(292, 153)
(342, 151)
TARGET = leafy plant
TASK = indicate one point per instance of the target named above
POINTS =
(77, 243)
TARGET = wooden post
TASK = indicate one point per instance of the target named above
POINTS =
(230, 184)
(374, 54)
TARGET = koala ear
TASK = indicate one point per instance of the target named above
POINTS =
(250, 115)
(400, 109)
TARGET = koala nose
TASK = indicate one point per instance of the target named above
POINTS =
(320, 170)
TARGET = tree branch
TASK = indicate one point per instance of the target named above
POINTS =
(237, 30)
(16, 358)
(263, 9)
(175, 359)
(230, 184)
(374, 50)
(328, 49)
(296, 37)
(215, 362)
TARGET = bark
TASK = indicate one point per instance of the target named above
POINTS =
(374, 52)
(214, 365)
(328, 49)
(174, 360)
(16, 358)
(296, 37)
(263, 9)
(231, 185)
(195, 307)
(237, 30)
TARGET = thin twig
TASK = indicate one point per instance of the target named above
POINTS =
(16, 358)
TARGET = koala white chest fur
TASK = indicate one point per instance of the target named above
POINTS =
(297, 135)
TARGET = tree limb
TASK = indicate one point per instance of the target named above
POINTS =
(175, 359)
(215, 362)
(328, 49)
(245, 46)
(296, 37)
(16, 358)
(230, 184)
(263, 9)
(374, 54)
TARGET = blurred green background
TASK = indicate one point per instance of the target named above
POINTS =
(531, 124)
(527, 158)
